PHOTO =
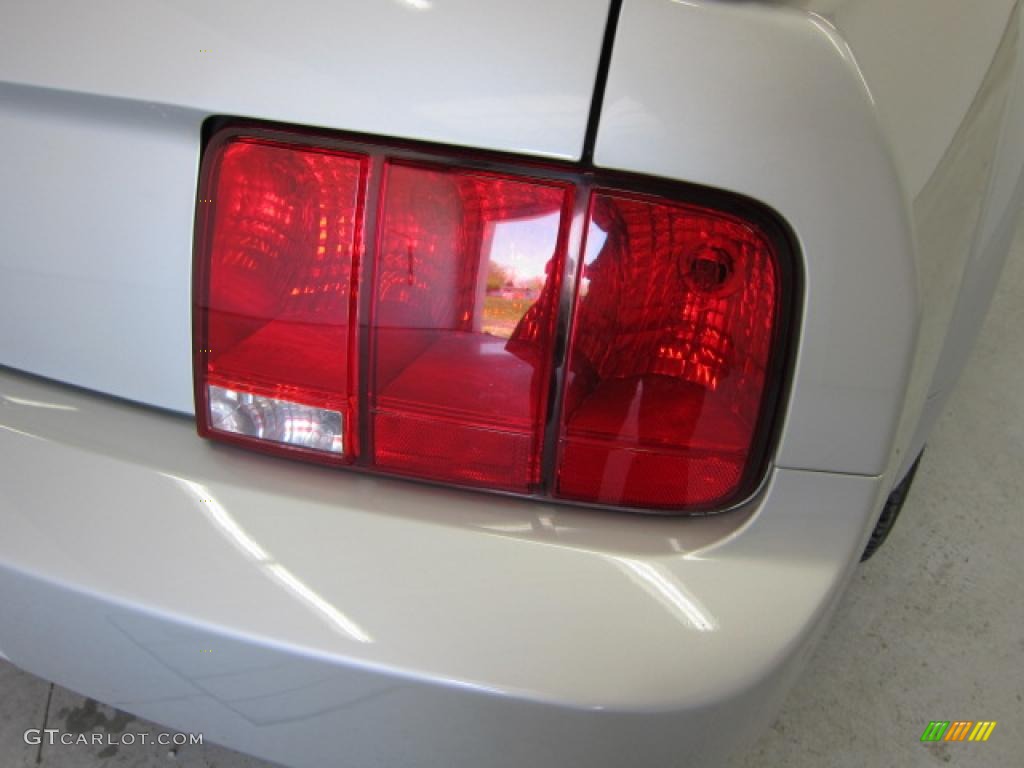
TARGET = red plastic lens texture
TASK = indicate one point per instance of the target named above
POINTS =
(282, 229)
(673, 332)
(434, 355)
(468, 269)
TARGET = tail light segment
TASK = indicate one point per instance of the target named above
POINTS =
(675, 313)
(530, 329)
(466, 290)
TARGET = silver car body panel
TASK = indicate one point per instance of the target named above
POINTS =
(300, 613)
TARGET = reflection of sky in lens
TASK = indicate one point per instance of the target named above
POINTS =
(596, 238)
(524, 246)
(595, 242)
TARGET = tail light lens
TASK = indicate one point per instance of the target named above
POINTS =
(468, 271)
(671, 342)
(421, 339)
(282, 226)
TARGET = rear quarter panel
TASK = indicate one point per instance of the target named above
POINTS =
(887, 135)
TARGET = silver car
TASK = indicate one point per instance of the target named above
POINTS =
(450, 383)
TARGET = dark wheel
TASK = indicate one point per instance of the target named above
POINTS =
(890, 511)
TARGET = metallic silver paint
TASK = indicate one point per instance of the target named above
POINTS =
(509, 76)
(403, 624)
(418, 625)
(96, 213)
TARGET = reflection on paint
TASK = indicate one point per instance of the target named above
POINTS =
(233, 532)
(36, 403)
(660, 583)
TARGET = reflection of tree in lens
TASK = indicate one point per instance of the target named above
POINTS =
(537, 321)
(497, 278)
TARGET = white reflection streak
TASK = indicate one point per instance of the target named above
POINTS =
(227, 523)
(525, 527)
(21, 432)
(340, 620)
(655, 582)
(842, 48)
(38, 404)
(228, 526)
(418, 5)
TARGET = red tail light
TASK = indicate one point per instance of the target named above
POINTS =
(468, 270)
(673, 334)
(423, 340)
(282, 225)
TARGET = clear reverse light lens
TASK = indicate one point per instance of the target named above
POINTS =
(282, 421)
